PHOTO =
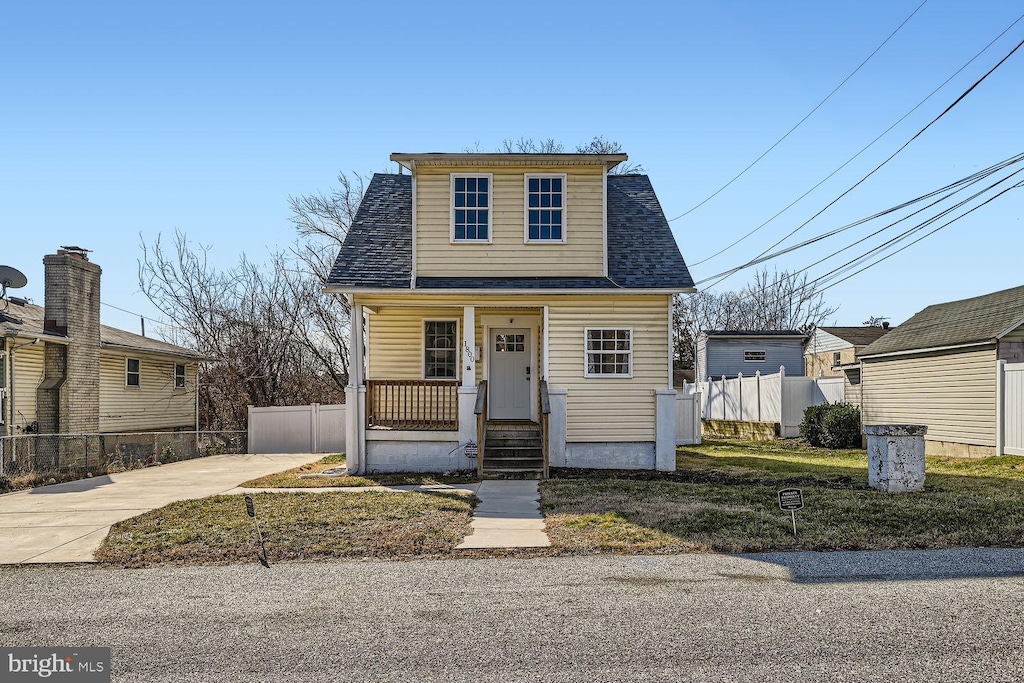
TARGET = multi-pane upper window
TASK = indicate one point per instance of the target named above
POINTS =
(510, 343)
(545, 208)
(132, 372)
(179, 376)
(440, 350)
(609, 352)
(755, 356)
(471, 208)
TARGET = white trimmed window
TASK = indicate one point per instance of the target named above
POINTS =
(757, 356)
(179, 375)
(132, 372)
(609, 352)
(545, 207)
(440, 349)
(471, 208)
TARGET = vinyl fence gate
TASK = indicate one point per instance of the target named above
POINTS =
(1010, 392)
(297, 429)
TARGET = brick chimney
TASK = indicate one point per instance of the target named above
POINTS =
(68, 397)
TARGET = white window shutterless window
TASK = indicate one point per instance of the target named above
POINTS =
(440, 349)
(545, 208)
(471, 207)
(132, 372)
(609, 352)
(179, 376)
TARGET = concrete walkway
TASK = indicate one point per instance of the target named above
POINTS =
(508, 516)
(67, 522)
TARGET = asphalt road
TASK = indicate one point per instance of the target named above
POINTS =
(906, 616)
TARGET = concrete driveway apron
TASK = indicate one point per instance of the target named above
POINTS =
(67, 522)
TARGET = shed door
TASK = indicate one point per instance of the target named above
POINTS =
(509, 375)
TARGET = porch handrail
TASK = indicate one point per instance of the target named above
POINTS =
(412, 404)
(545, 411)
(480, 409)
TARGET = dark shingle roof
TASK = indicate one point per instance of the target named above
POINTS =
(642, 253)
(754, 333)
(981, 319)
(641, 249)
(377, 251)
(858, 336)
(28, 320)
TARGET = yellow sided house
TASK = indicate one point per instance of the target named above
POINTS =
(510, 312)
(62, 372)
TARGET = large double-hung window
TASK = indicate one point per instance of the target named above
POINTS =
(471, 208)
(545, 207)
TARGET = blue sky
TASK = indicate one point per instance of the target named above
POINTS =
(129, 119)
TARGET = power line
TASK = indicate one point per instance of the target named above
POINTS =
(955, 187)
(867, 146)
(926, 235)
(800, 122)
(829, 276)
(889, 158)
(139, 315)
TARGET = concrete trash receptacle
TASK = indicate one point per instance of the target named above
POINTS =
(896, 457)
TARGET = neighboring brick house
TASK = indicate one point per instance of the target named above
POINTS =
(515, 303)
(61, 371)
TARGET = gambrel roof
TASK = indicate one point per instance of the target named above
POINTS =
(642, 252)
(981, 319)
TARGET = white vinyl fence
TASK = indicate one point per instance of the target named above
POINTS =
(1010, 419)
(297, 429)
(769, 398)
(687, 419)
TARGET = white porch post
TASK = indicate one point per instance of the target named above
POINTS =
(355, 397)
(467, 392)
(468, 346)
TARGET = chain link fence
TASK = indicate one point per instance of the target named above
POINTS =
(32, 458)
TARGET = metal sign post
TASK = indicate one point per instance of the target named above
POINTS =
(250, 509)
(792, 500)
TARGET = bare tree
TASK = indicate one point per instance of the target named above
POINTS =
(874, 321)
(264, 328)
(774, 300)
(598, 145)
(601, 146)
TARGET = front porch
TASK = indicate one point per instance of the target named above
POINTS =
(421, 419)
(443, 388)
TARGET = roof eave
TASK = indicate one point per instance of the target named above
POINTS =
(931, 349)
(481, 290)
(161, 352)
(411, 160)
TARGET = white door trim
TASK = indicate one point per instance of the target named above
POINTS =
(513, 319)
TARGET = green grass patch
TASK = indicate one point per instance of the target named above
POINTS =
(296, 526)
(293, 478)
(723, 498)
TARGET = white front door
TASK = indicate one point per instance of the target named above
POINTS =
(508, 383)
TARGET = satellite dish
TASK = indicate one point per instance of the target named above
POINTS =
(12, 278)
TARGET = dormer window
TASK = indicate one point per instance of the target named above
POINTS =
(545, 207)
(471, 208)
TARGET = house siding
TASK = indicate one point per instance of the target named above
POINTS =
(822, 364)
(582, 253)
(28, 373)
(155, 404)
(598, 410)
(953, 393)
(725, 357)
